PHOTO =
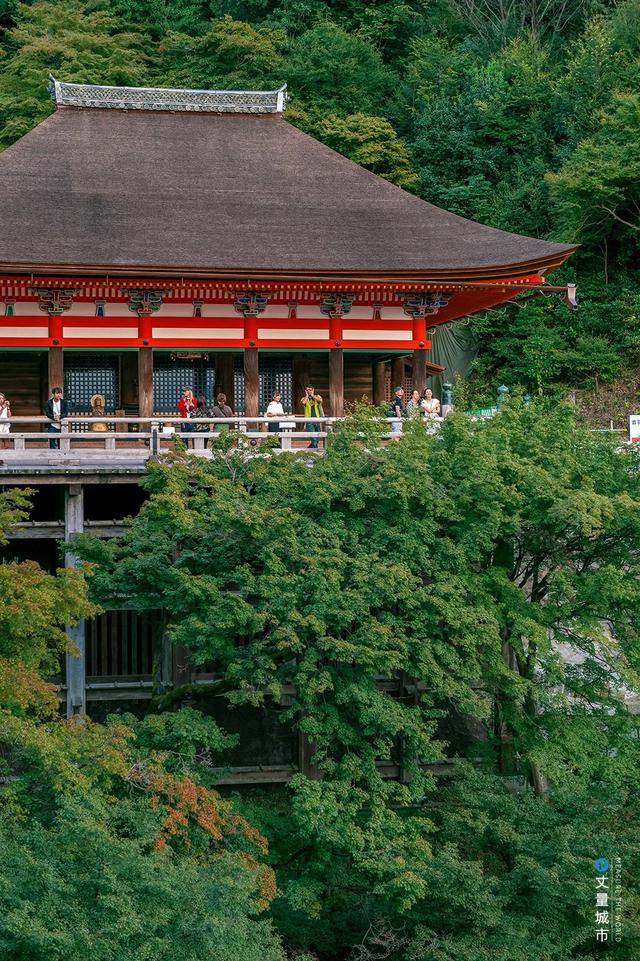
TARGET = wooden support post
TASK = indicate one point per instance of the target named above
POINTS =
(162, 661)
(224, 376)
(397, 373)
(56, 368)
(379, 381)
(145, 382)
(181, 666)
(306, 750)
(300, 380)
(251, 382)
(76, 667)
(419, 370)
(336, 382)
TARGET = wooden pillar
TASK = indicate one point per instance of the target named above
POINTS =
(76, 668)
(336, 381)
(56, 369)
(162, 661)
(300, 380)
(181, 666)
(419, 370)
(145, 382)
(306, 751)
(251, 382)
(379, 381)
(224, 376)
(397, 373)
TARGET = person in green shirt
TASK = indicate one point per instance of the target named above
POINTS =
(312, 407)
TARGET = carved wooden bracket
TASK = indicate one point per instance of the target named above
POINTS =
(336, 306)
(54, 300)
(250, 304)
(424, 305)
(144, 302)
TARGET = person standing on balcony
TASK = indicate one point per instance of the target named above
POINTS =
(186, 408)
(413, 407)
(312, 407)
(5, 414)
(222, 409)
(430, 404)
(397, 409)
(56, 409)
(202, 410)
(275, 409)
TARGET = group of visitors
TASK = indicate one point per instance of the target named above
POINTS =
(190, 407)
(425, 405)
(55, 409)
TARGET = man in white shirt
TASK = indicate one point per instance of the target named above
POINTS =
(275, 409)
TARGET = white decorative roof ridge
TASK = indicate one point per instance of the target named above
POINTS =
(166, 98)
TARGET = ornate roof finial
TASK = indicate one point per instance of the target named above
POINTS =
(167, 98)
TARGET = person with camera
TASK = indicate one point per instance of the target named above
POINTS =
(312, 407)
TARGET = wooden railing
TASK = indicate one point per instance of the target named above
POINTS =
(135, 439)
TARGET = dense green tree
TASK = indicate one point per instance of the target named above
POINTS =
(35, 608)
(597, 191)
(113, 845)
(230, 53)
(371, 142)
(494, 567)
(71, 39)
(110, 848)
(332, 70)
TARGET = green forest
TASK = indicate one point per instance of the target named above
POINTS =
(524, 115)
(465, 563)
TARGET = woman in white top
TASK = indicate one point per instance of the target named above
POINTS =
(275, 409)
(430, 404)
(5, 414)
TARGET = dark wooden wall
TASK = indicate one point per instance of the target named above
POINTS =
(313, 368)
(23, 380)
(358, 378)
(129, 381)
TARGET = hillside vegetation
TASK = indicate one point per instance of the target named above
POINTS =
(523, 115)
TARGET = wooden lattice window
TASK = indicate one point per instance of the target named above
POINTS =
(171, 374)
(275, 373)
(88, 374)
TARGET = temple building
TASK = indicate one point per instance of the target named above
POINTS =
(156, 238)
(152, 239)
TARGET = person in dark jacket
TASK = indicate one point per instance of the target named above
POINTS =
(398, 410)
(56, 409)
(202, 410)
(221, 409)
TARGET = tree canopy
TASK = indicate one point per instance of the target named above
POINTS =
(493, 567)
(112, 844)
